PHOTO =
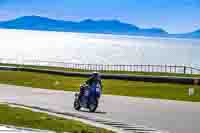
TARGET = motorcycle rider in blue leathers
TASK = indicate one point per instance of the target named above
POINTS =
(94, 85)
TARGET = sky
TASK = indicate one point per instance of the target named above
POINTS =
(174, 16)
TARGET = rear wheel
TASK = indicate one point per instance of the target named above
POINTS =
(77, 105)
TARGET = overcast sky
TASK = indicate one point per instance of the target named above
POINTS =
(174, 16)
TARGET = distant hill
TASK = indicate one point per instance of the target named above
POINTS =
(195, 34)
(87, 26)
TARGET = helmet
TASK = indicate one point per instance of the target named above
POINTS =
(95, 75)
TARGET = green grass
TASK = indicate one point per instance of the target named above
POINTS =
(108, 72)
(29, 119)
(114, 87)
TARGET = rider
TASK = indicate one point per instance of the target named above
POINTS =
(93, 82)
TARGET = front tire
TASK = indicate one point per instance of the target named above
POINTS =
(93, 106)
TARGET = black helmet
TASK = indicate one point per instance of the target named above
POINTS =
(95, 75)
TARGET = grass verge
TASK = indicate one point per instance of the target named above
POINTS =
(107, 72)
(29, 119)
(114, 87)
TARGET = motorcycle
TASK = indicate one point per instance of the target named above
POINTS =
(87, 98)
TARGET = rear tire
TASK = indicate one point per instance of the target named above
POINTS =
(77, 105)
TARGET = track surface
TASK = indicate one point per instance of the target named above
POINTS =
(172, 116)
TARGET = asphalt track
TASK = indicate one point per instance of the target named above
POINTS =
(139, 115)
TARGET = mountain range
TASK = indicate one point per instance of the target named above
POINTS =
(89, 26)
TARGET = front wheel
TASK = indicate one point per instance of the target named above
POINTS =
(93, 106)
(77, 105)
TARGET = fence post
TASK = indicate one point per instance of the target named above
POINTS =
(175, 68)
(131, 68)
(165, 68)
(89, 67)
(75, 66)
(148, 69)
(152, 68)
(184, 69)
(99, 68)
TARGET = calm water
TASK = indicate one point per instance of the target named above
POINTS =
(96, 48)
